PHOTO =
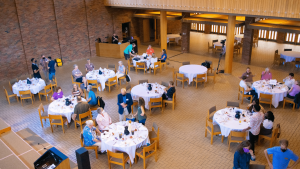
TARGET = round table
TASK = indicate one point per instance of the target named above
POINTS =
(141, 90)
(106, 74)
(227, 122)
(35, 87)
(191, 71)
(290, 56)
(239, 37)
(112, 142)
(176, 36)
(58, 107)
(219, 44)
(279, 91)
(149, 61)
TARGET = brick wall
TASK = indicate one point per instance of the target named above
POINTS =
(174, 26)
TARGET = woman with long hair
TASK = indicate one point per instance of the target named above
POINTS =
(57, 94)
(76, 91)
(163, 56)
(243, 155)
(141, 111)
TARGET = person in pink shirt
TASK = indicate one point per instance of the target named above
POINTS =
(103, 119)
(266, 75)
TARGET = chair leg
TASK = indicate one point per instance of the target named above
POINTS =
(173, 105)
(182, 84)
(62, 126)
(51, 128)
(229, 146)
(211, 138)
(222, 138)
(135, 159)
(41, 122)
(81, 127)
(22, 102)
(294, 106)
(144, 163)
(75, 124)
(96, 152)
(205, 133)
(242, 100)
(283, 104)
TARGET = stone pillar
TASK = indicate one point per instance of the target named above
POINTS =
(229, 44)
(280, 37)
(185, 34)
(248, 41)
(163, 30)
(207, 29)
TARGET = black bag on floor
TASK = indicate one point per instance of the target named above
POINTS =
(206, 64)
(101, 103)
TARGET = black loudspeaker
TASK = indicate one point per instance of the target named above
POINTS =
(136, 45)
(83, 159)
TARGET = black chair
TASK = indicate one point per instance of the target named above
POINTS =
(287, 50)
(213, 41)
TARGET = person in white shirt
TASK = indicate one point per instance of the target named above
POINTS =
(103, 119)
(289, 81)
(247, 90)
(267, 125)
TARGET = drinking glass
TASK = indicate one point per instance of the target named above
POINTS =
(132, 132)
(120, 135)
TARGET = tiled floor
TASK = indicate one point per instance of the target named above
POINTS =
(182, 141)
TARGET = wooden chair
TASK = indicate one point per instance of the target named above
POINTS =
(213, 74)
(155, 102)
(42, 113)
(11, 83)
(236, 49)
(112, 67)
(26, 95)
(186, 63)
(162, 64)
(211, 66)
(95, 148)
(46, 92)
(111, 82)
(271, 137)
(287, 49)
(95, 85)
(165, 84)
(210, 47)
(255, 42)
(74, 82)
(212, 129)
(277, 60)
(218, 49)
(200, 78)
(241, 92)
(123, 78)
(236, 137)
(118, 158)
(9, 95)
(213, 41)
(140, 66)
(146, 152)
(143, 81)
(130, 64)
(265, 98)
(180, 77)
(296, 63)
(172, 41)
(174, 71)
(54, 82)
(83, 118)
(211, 112)
(288, 100)
(154, 134)
(58, 120)
(157, 65)
(171, 101)
(233, 104)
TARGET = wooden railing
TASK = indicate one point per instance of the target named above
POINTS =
(274, 8)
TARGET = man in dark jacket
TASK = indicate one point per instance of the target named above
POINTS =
(124, 103)
(168, 95)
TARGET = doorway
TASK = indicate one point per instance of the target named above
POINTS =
(126, 30)
(148, 30)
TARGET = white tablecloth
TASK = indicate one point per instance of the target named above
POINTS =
(290, 56)
(141, 90)
(58, 107)
(239, 37)
(225, 118)
(219, 44)
(278, 92)
(191, 71)
(149, 61)
(35, 87)
(106, 74)
(176, 36)
(112, 142)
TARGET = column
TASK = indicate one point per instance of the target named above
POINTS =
(229, 44)
(248, 41)
(163, 30)
(146, 30)
(185, 34)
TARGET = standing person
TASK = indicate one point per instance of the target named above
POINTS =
(92, 100)
(249, 77)
(89, 66)
(266, 75)
(150, 50)
(103, 119)
(78, 76)
(115, 39)
(243, 155)
(80, 108)
(121, 70)
(163, 56)
(51, 67)
(289, 81)
(295, 89)
(247, 90)
(254, 128)
(127, 51)
(124, 103)
(141, 111)
(35, 68)
(281, 156)
(90, 137)
(44, 64)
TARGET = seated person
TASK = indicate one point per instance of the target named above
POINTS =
(266, 75)
(168, 94)
(103, 119)
(80, 108)
(90, 137)
(115, 39)
(294, 90)
(150, 51)
(163, 56)
(254, 102)
(76, 91)
(121, 70)
(249, 77)
(247, 90)
(267, 125)
(78, 76)
(289, 81)
(57, 94)
(92, 100)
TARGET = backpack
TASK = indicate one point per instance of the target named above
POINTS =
(101, 103)
(206, 64)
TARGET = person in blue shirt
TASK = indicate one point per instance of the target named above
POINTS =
(243, 155)
(163, 56)
(51, 67)
(127, 51)
(281, 156)
(92, 100)
(124, 103)
(89, 135)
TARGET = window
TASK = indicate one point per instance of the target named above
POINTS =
(243, 29)
(298, 41)
(222, 29)
(201, 27)
(237, 30)
(290, 37)
(272, 35)
(262, 34)
(194, 26)
(214, 28)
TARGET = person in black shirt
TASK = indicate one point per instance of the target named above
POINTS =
(35, 69)
(115, 39)
(51, 67)
(168, 95)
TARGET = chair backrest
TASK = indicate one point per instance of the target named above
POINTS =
(216, 40)
(200, 76)
(241, 90)
(174, 96)
(238, 134)
(84, 115)
(128, 87)
(233, 104)
(24, 92)
(109, 66)
(164, 84)
(276, 131)
(112, 79)
(143, 81)
(72, 78)
(5, 91)
(297, 60)
(81, 139)
(179, 75)
(40, 109)
(212, 109)
(154, 125)
(171, 39)
(56, 117)
(218, 47)
(287, 49)
(156, 65)
(266, 96)
(115, 155)
(48, 87)
(151, 148)
(156, 100)
(186, 63)
(92, 82)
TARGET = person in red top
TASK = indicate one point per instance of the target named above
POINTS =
(150, 50)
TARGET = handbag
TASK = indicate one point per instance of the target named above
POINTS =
(100, 72)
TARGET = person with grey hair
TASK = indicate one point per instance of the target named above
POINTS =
(103, 119)
(124, 103)
(90, 137)
(44, 64)
(78, 76)
(92, 100)
(266, 75)
(121, 70)
(89, 66)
